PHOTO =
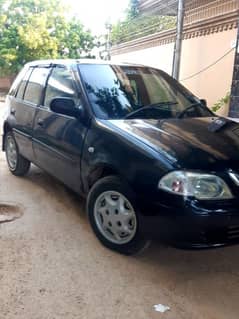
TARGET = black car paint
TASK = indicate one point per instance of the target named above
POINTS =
(161, 146)
(22, 116)
(79, 151)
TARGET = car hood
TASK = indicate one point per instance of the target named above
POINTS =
(188, 143)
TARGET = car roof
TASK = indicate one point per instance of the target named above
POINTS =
(69, 62)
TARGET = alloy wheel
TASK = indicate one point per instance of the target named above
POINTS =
(11, 152)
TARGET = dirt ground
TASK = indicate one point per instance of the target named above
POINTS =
(52, 266)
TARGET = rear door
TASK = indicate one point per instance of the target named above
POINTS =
(58, 139)
(23, 107)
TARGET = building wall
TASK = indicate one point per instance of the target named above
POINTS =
(159, 57)
(198, 53)
(196, 10)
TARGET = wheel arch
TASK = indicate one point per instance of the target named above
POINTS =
(6, 128)
(99, 171)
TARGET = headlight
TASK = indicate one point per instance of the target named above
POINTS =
(201, 186)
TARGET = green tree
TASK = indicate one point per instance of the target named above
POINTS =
(75, 41)
(39, 29)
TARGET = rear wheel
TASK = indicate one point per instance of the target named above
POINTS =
(17, 164)
(113, 216)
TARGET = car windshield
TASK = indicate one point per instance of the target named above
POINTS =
(119, 92)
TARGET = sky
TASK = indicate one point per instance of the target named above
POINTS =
(94, 13)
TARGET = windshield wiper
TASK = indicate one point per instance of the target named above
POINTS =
(149, 107)
(191, 106)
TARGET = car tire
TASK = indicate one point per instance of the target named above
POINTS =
(113, 216)
(17, 164)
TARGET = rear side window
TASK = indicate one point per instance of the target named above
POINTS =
(33, 92)
(60, 84)
(16, 82)
(23, 83)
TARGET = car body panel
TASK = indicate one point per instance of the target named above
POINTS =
(57, 145)
(188, 143)
(22, 118)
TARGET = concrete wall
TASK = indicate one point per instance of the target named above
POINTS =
(5, 83)
(197, 53)
(159, 57)
(200, 52)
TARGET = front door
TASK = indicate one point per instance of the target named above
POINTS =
(58, 139)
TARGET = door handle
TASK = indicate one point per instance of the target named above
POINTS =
(40, 122)
(13, 111)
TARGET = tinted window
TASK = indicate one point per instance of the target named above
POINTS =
(23, 83)
(60, 84)
(115, 91)
(18, 79)
(35, 85)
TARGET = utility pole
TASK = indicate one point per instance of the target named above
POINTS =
(108, 41)
(179, 38)
(234, 100)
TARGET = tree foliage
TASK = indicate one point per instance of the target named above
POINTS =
(135, 26)
(222, 102)
(39, 29)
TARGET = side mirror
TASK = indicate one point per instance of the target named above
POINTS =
(65, 106)
(203, 102)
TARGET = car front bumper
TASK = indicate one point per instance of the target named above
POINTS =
(192, 224)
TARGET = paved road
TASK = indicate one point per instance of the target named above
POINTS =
(52, 266)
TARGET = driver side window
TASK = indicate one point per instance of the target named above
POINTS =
(60, 84)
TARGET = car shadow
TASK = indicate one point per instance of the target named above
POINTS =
(63, 194)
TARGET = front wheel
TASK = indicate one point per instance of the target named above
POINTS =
(17, 164)
(113, 216)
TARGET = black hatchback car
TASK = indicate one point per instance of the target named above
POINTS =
(151, 158)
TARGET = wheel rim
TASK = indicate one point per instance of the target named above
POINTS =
(115, 217)
(11, 152)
